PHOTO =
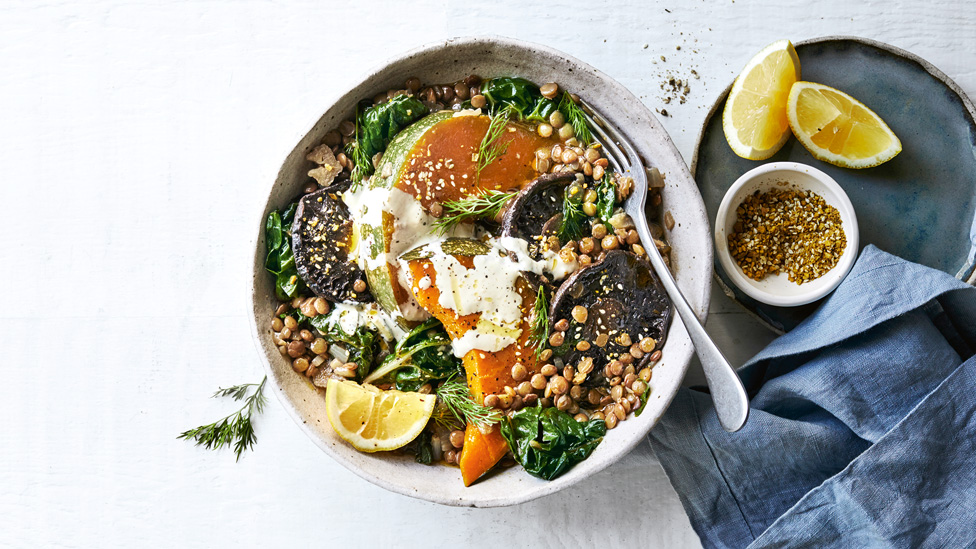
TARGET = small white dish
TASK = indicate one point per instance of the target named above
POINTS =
(777, 289)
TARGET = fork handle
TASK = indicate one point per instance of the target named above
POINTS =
(728, 394)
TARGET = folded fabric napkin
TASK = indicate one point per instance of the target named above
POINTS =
(862, 429)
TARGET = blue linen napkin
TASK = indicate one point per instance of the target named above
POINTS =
(862, 429)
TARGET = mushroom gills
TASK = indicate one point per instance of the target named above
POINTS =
(322, 239)
(622, 295)
(531, 213)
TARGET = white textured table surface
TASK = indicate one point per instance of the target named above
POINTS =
(137, 142)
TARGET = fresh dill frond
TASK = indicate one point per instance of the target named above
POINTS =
(574, 115)
(235, 429)
(480, 206)
(491, 148)
(457, 400)
(445, 417)
(540, 321)
(362, 163)
(571, 227)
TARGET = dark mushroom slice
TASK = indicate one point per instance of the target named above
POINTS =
(535, 205)
(621, 295)
(321, 236)
(338, 186)
(551, 228)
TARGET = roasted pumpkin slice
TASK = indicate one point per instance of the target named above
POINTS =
(487, 372)
(430, 162)
(481, 451)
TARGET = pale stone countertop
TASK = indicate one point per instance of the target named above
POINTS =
(137, 142)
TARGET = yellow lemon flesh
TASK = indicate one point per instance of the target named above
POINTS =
(839, 129)
(373, 420)
(754, 118)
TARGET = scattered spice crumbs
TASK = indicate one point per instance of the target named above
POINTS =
(787, 230)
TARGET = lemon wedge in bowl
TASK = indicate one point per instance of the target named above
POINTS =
(839, 129)
(754, 118)
(373, 420)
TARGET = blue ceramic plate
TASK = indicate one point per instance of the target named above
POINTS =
(921, 205)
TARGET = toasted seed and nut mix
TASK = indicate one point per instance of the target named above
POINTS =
(785, 230)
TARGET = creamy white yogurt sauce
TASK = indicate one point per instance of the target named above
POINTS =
(350, 316)
(412, 227)
(487, 289)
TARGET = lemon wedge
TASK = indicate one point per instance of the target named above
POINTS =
(373, 420)
(839, 129)
(754, 118)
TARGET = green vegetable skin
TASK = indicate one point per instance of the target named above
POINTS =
(376, 126)
(547, 442)
(381, 278)
(281, 260)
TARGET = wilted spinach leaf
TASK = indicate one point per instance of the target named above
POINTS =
(361, 345)
(571, 227)
(421, 448)
(547, 442)
(422, 356)
(523, 96)
(281, 261)
(377, 125)
(606, 201)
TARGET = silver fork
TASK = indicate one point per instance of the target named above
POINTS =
(731, 402)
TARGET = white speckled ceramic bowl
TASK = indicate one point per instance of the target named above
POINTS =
(777, 289)
(692, 256)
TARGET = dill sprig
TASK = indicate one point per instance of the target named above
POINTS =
(491, 148)
(484, 205)
(235, 429)
(574, 115)
(540, 321)
(362, 164)
(460, 408)
(571, 227)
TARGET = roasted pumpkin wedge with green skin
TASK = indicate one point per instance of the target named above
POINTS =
(430, 162)
(374, 233)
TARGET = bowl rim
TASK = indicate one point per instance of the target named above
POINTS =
(726, 208)
(681, 361)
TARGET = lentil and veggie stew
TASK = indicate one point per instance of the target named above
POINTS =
(466, 241)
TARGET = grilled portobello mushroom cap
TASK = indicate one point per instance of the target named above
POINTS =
(531, 212)
(321, 236)
(622, 295)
